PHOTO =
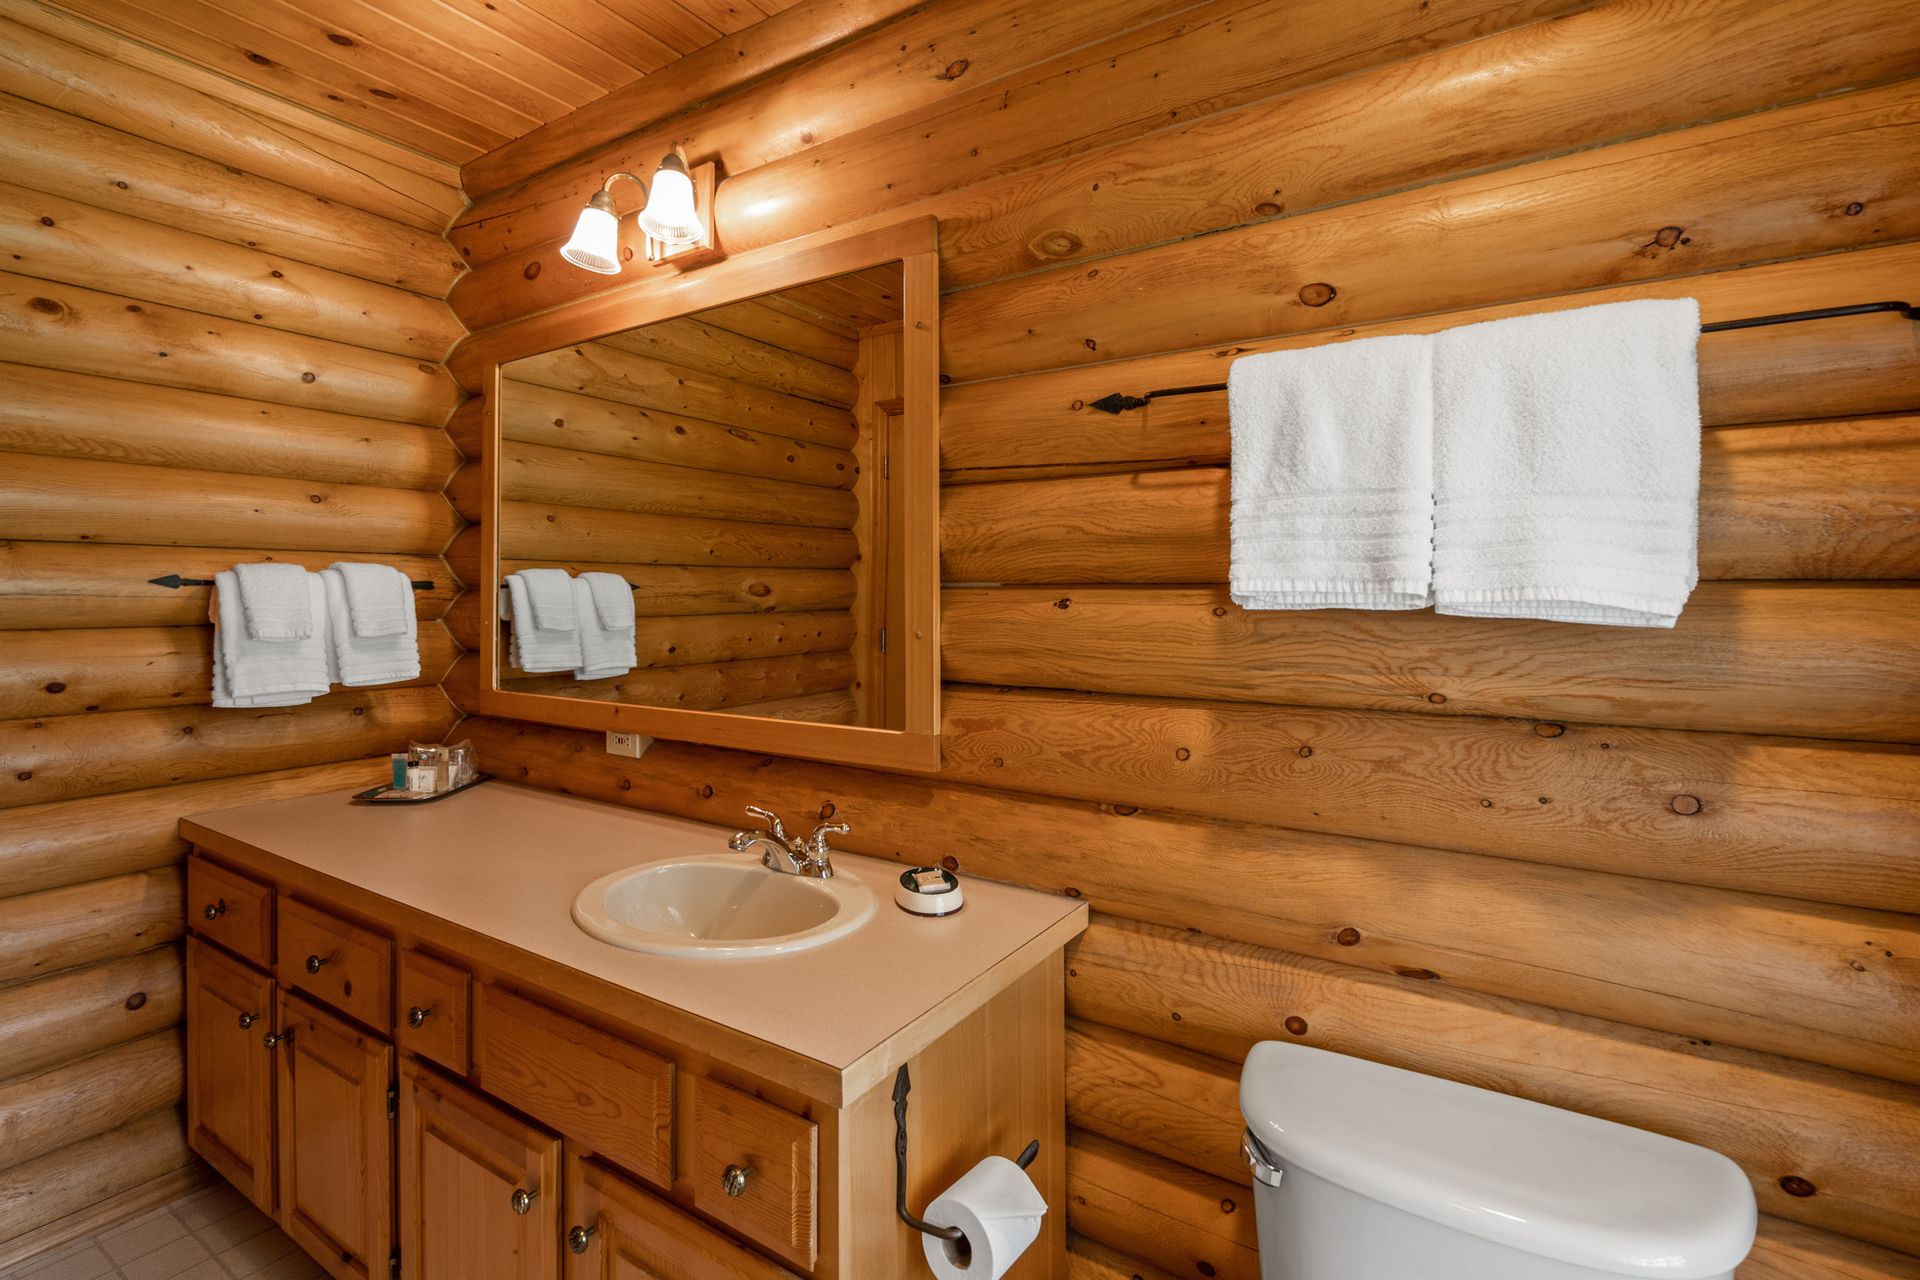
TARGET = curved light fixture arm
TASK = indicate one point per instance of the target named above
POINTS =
(646, 192)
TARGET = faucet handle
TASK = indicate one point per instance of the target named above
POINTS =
(772, 820)
(817, 838)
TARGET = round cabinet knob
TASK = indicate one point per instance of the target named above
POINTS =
(522, 1201)
(314, 963)
(733, 1180)
(579, 1237)
(273, 1038)
(214, 910)
(416, 1016)
(248, 1019)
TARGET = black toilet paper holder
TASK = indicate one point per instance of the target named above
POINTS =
(902, 1084)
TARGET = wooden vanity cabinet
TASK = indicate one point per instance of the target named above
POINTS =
(620, 1231)
(230, 1093)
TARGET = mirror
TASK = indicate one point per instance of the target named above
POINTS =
(750, 468)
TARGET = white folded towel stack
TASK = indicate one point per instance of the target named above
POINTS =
(266, 673)
(533, 647)
(1567, 465)
(1333, 476)
(379, 599)
(604, 605)
(356, 659)
(276, 601)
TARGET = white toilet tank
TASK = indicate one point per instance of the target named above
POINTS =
(1367, 1172)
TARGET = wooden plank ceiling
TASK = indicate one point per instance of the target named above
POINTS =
(452, 79)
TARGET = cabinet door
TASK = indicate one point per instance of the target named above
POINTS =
(625, 1233)
(336, 1140)
(479, 1189)
(230, 1069)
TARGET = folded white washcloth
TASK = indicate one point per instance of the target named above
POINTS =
(1567, 465)
(265, 673)
(357, 660)
(549, 593)
(379, 599)
(1333, 476)
(604, 604)
(531, 647)
(276, 601)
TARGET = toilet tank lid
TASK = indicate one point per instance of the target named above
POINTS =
(1552, 1183)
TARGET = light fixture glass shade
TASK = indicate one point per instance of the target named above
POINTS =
(595, 245)
(670, 216)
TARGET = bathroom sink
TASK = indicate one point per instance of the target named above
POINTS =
(720, 905)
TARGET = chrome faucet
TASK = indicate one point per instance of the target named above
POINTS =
(806, 856)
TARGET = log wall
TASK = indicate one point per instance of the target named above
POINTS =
(1669, 878)
(221, 336)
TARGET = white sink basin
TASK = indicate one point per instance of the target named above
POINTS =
(721, 905)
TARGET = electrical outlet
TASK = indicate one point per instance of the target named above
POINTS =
(631, 745)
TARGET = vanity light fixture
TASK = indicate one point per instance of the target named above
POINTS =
(676, 219)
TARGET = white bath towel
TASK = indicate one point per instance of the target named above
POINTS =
(1333, 476)
(549, 593)
(1567, 465)
(379, 599)
(265, 673)
(357, 660)
(531, 647)
(604, 605)
(276, 601)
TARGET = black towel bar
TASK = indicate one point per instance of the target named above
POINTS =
(174, 582)
(1118, 403)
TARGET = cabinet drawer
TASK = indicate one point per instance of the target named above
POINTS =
(230, 909)
(592, 1086)
(752, 1167)
(433, 1009)
(345, 964)
(630, 1232)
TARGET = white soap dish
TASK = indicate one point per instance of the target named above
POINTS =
(929, 891)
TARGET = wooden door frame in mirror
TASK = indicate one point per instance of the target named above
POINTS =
(657, 296)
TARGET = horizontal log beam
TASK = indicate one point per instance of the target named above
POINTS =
(705, 687)
(52, 237)
(56, 673)
(836, 706)
(608, 373)
(544, 531)
(1089, 1259)
(1823, 821)
(696, 344)
(83, 1099)
(1177, 1218)
(45, 585)
(79, 500)
(78, 330)
(568, 477)
(73, 415)
(675, 642)
(70, 1015)
(77, 158)
(1747, 969)
(1806, 659)
(539, 415)
(43, 933)
(1832, 500)
(43, 59)
(65, 757)
(1576, 222)
(73, 1177)
(1788, 373)
(74, 842)
(1851, 1137)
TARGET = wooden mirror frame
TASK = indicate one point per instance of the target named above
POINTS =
(655, 297)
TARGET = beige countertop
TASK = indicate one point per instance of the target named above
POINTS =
(505, 862)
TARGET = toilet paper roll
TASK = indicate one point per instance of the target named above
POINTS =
(999, 1208)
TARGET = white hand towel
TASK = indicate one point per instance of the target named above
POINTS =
(532, 648)
(358, 660)
(550, 596)
(379, 599)
(264, 673)
(1333, 476)
(276, 601)
(604, 605)
(1567, 465)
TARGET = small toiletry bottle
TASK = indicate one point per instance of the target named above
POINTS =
(400, 771)
(419, 775)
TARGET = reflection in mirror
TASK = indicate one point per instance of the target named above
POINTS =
(729, 468)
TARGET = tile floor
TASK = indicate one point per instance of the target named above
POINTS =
(208, 1235)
